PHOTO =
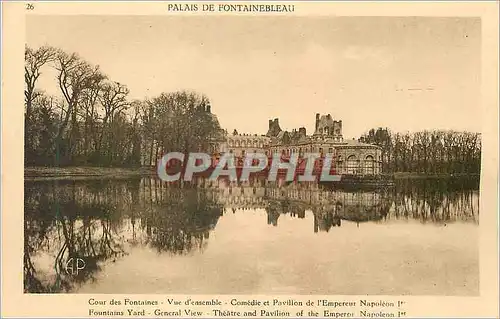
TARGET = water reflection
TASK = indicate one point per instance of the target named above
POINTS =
(100, 221)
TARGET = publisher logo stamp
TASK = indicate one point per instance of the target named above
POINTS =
(74, 266)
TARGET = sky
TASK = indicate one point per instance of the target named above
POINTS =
(404, 73)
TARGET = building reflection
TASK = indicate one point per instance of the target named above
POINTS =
(99, 221)
(328, 207)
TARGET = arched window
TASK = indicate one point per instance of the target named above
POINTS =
(369, 165)
(339, 166)
(352, 164)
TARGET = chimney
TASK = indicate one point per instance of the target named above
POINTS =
(208, 108)
(317, 121)
(270, 123)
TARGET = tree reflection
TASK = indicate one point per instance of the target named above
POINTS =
(436, 201)
(182, 221)
(65, 223)
(97, 221)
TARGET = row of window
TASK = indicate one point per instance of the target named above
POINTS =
(254, 143)
(351, 158)
(300, 151)
(354, 165)
(326, 130)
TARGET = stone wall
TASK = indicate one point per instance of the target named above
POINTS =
(358, 160)
(245, 144)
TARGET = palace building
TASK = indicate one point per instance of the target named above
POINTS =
(241, 144)
(351, 157)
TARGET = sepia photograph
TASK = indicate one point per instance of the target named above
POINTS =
(249, 155)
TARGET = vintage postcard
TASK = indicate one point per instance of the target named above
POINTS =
(249, 159)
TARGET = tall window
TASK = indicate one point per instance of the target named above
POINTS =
(369, 165)
(352, 164)
(339, 164)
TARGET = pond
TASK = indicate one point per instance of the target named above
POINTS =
(141, 235)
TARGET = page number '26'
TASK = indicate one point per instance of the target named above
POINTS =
(30, 6)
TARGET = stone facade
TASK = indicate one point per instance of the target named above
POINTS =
(326, 127)
(241, 144)
(351, 157)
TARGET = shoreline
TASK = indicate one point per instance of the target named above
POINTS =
(32, 172)
(405, 175)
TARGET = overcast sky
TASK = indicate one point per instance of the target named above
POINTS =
(400, 73)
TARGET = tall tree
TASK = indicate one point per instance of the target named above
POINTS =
(428, 152)
(74, 77)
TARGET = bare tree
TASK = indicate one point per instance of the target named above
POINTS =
(34, 60)
(428, 152)
(113, 98)
(74, 77)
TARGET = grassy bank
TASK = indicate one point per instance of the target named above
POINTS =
(75, 172)
(406, 175)
(115, 172)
